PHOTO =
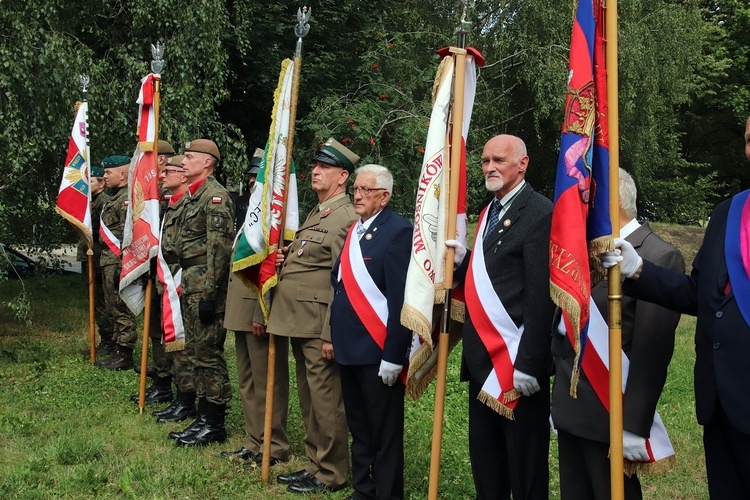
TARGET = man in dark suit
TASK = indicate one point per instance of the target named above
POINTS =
(648, 341)
(717, 292)
(369, 343)
(506, 355)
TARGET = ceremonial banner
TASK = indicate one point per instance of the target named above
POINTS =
(73, 198)
(595, 364)
(581, 228)
(141, 234)
(260, 236)
(425, 277)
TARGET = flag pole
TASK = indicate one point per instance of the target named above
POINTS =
(457, 110)
(615, 286)
(84, 79)
(301, 29)
(157, 64)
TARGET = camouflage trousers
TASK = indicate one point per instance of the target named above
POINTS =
(103, 321)
(205, 344)
(123, 321)
(162, 359)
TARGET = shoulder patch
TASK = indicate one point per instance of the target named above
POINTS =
(217, 220)
(216, 200)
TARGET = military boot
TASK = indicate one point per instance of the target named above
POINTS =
(185, 408)
(213, 431)
(195, 426)
(159, 392)
(121, 359)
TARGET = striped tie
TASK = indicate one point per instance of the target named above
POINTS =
(493, 219)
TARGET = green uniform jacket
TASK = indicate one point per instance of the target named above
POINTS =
(97, 204)
(302, 297)
(114, 213)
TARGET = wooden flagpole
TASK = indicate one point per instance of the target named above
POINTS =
(615, 286)
(84, 79)
(156, 66)
(457, 111)
(301, 30)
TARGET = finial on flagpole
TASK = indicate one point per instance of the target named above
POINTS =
(302, 28)
(84, 79)
(463, 28)
(157, 53)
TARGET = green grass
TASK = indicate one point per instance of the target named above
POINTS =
(68, 429)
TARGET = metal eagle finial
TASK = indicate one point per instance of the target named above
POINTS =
(157, 63)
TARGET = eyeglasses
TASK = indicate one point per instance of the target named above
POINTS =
(364, 190)
(168, 171)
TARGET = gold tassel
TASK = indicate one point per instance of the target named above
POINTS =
(496, 405)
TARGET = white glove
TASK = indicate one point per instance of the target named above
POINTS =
(459, 251)
(389, 372)
(524, 383)
(631, 261)
(634, 447)
(610, 259)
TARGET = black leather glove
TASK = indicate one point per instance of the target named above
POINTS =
(118, 271)
(207, 311)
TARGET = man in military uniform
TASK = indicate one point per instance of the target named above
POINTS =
(113, 218)
(251, 173)
(103, 321)
(174, 180)
(204, 247)
(161, 372)
(300, 311)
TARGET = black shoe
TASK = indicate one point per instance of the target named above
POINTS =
(243, 454)
(310, 484)
(196, 426)
(180, 413)
(206, 435)
(273, 460)
(293, 477)
(166, 411)
(156, 394)
(150, 370)
(122, 359)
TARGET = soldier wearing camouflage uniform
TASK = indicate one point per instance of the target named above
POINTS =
(113, 218)
(204, 248)
(98, 198)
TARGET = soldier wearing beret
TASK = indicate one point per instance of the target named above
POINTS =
(204, 247)
(251, 173)
(300, 311)
(113, 218)
(98, 199)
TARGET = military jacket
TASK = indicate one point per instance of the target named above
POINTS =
(301, 299)
(114, 213)
(204, 240)
(170, 229)
(97, 204)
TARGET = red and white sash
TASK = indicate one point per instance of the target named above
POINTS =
(109, 239)
(171, 314)
(497, 331)
(367, 300)
(595, 365)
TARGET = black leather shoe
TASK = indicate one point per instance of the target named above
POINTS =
(310, 484)
(293, 477)
(150, 370)
(166, 411)
(206, 435)
(180, 413)
(189, 430)
(243, 454)
(273, 461)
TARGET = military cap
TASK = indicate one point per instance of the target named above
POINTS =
(255, 162)
(334, 153)
(97, 171)
(165, 148)
(115, 161)
(206, 146)
(176, 161)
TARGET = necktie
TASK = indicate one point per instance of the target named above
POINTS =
(360, 230)
(493, 218)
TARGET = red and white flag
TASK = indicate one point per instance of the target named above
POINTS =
(426, 274)
(73, 198)
(140, 240)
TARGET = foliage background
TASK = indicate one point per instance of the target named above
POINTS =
(366, 79)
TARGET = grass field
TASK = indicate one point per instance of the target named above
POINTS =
(68, 429)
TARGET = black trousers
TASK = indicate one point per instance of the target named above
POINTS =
(510, 455)
(727, 458)
(584, 470)
(375, 415)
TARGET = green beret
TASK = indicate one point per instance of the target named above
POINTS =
(334, 153)
(97, 171)
(176, 161)
(115, 161)
(205, 146)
